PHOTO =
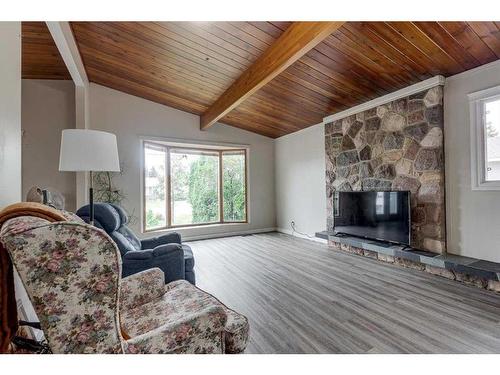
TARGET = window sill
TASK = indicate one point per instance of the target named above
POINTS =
(201, 226)
(486, 186)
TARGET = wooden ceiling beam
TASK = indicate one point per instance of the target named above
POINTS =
(295, 42)
(66, 44)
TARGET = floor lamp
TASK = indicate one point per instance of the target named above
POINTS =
(84, 150)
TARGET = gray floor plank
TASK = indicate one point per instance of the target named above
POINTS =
(302, 297)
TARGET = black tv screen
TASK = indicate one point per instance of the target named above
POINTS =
(378, 215)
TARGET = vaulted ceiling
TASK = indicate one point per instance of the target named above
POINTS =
(40, 56)
(189, 65)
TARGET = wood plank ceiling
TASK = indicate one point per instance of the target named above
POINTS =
(40, 57)
(188, 65)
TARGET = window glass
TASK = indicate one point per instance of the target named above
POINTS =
(233, 179)
(154, 187)
(492, 132)
(194, 179)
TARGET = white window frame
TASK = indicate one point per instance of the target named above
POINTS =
(478, 138)
(178, 142)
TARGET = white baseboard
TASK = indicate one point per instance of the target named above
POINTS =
(295, 234)
(251, 231)
(226, 234)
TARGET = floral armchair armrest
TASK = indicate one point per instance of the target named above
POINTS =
(202, 332)
(142, 287)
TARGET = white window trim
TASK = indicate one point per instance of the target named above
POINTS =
(172, 142)
(478, 139)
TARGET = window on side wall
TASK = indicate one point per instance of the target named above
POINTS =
(485, 139)
(189, 186)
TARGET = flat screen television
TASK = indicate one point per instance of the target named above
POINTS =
(378, 215)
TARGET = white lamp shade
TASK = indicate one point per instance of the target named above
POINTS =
(84, 150)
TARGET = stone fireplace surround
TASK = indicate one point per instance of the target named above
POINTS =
(394, 146)
(397, 146)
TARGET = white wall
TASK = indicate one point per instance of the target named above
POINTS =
(48, 107)
(10, 133)
(473, 217)
(300, 180)
(130, 117)
(10, 113)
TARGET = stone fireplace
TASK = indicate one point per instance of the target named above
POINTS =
(395, 146)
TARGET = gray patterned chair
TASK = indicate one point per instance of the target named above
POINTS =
(72, 274)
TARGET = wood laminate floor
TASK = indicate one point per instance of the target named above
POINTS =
(302, 297)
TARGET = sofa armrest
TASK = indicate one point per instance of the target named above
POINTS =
(161, 250)
(208, 321)
(169, 258)
(150, 243)
(141, 288)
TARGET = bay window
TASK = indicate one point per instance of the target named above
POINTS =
(187, 186)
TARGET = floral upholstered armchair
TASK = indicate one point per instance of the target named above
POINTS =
(72, 274)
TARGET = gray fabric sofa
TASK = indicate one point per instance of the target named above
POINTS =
(165, 252)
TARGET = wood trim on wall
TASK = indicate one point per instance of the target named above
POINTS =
(407, 91)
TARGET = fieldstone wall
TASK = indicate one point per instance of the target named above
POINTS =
(396, 146)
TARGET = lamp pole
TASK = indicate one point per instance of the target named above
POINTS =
(91, 198)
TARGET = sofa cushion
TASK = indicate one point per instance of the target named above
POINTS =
(182, 302)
